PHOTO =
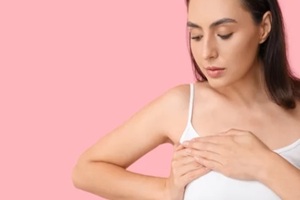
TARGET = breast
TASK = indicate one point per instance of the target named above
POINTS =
(215, 186)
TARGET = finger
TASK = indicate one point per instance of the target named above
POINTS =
(181, 160)
(194, 174)
(177, 147)
(207, 155)
(187, 165)
(214, 139)
(181, 152)
(210, 164)
(205, 146)
(177, 151)
(181, 163)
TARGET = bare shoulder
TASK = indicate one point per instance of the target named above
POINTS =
(178, 111)
(176, 98)
(176, 106)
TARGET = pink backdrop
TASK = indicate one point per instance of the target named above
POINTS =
(70, 71)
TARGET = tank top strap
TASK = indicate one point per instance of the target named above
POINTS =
(191, 103)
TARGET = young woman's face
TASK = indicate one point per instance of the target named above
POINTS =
(224, 40)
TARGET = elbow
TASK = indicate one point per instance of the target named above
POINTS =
(77, 177)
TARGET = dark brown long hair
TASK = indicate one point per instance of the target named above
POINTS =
(283, 87)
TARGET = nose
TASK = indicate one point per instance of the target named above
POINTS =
(209, 49)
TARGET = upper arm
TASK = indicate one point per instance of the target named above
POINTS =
(142, 132)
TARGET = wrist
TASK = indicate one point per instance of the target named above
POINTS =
(170, 193)
(268, 166)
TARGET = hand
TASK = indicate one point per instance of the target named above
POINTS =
(236, 153)
(184, 169)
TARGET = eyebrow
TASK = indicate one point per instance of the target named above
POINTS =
(214, 24)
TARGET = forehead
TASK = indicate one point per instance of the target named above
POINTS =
(202, 11)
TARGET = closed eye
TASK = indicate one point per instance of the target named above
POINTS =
(196, 38)
(225, 37)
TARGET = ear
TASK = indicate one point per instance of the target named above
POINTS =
(265, 27)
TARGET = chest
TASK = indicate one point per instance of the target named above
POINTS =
(276, 130)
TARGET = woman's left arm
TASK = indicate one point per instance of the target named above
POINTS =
(281, 177)
(241, 155)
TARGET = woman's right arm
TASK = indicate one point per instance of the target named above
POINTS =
(101, 169)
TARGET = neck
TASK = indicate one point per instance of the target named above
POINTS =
(248, 91)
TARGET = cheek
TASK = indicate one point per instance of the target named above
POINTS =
(240, 50)
(196, 52)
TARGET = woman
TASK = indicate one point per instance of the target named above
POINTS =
(245, 107)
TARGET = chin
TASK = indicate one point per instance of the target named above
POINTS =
(217, 83)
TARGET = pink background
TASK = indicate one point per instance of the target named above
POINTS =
(70, 71)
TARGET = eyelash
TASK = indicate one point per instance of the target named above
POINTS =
(224, 37)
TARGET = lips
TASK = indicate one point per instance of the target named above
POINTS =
(215, 72)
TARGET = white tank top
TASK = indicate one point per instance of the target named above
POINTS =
(215, 186)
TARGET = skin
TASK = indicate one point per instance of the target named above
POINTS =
(238, 123)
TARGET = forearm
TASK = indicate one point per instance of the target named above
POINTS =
(282, 177)
(115, 183)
